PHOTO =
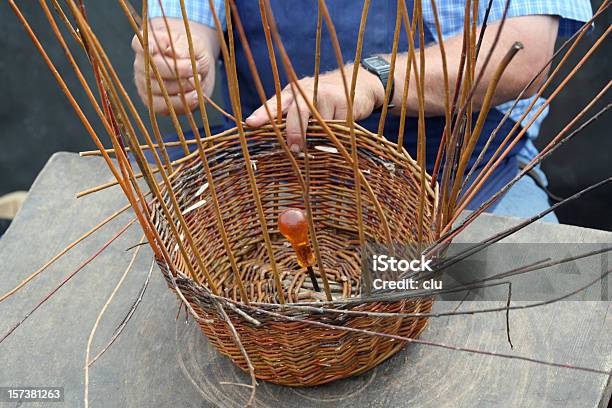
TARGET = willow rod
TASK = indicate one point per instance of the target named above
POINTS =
(149, 91)
(341, 149)
(92, 333)
(447, 107)
(228, 57)
(349, 118)
(354, 153)
(484, 111)
(409, 63)
(273, 64)
(65, 280)
(73, 103)
(64, 252)
(492, 165)
(391, 79)
(207, 171)
(576, 37)
(111, 77)
(113, 183)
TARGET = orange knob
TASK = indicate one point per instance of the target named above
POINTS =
(293, 224)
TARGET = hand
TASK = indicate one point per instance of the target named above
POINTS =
(162, 56)
(331, 102)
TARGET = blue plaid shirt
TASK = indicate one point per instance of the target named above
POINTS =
(572, 14)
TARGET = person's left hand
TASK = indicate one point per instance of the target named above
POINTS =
(331, 102)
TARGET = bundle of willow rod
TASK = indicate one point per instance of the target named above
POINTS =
(211, 217)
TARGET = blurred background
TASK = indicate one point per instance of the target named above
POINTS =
(37, 121)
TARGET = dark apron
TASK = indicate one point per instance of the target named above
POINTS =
(297, 20)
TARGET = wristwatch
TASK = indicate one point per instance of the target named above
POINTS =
(382, 69)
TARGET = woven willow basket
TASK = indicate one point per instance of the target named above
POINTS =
(288, 352)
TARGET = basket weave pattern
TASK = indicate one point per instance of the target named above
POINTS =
(289, 352)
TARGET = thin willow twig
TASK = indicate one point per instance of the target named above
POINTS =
(494, 162)
(92, 333)
(70, 276)
(391, 79)
(576, 38)
(63, 252)
(427, 342)
(117, 332)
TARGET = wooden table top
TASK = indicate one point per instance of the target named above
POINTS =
(159, 361)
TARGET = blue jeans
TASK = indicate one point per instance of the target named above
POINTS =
(525, 199)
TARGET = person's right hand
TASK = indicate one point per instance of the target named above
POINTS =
(171, 71)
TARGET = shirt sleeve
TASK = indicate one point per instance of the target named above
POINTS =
(572, 13)
(197, 10)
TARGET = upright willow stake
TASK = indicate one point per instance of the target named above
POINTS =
(317, 65)
(281, 140)
(341, 149)
(447, 107)
(272, 58)
(354, 152)
(484, 111)
(410, 29)
(349, 94)
(229, 59)
(147, 69)
(111, 77)
(391, 79)
(207, 170)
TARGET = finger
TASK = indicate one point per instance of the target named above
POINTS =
(297, 122)
(176, 101)
(173, 87)
(168, 70)
(181, 68)
(175, 97)
(180, 46)
(326, 108)
(158, 40)
(260, 116)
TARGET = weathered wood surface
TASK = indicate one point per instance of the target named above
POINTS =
(162, 362)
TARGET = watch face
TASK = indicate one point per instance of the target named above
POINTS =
(376, 63)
